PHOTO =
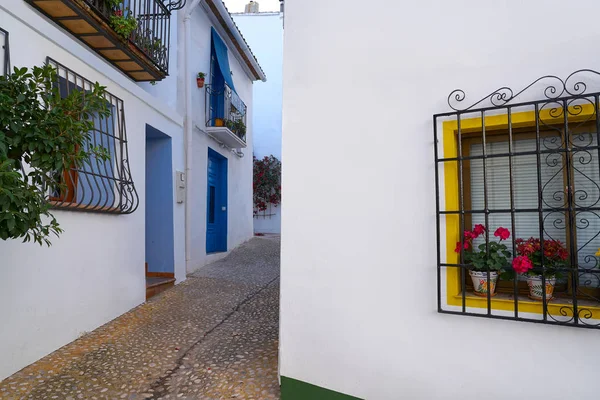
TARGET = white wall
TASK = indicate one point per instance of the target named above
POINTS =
(95, 271)
(358, 287)
(239, 170)
(264, 33)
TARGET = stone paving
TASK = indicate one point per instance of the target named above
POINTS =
(215, 336)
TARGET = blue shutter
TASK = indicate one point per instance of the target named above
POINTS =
(220, 50)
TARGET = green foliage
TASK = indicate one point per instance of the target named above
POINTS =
(114, 3)
(124, 25)
(496, 259)
(201, 75)
(237, 126)
(267, 182)
(40, 134)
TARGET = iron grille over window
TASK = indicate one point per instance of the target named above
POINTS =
(4, 53)
(100, 185)
(518, 203)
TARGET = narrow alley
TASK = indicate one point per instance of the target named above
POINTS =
(215, 336)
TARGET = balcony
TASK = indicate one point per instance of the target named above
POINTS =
(133, 35)
(226, 116)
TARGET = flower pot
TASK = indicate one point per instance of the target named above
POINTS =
(219, 122)
(535, 287)
(200, 82)
(480, 283)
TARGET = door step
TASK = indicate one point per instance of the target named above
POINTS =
(156, 285)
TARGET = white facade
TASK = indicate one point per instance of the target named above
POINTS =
(358, 284)
(95, 271)
(264, 33)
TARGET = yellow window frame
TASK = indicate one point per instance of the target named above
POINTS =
(525, 119)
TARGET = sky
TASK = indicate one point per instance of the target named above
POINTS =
(238, 5)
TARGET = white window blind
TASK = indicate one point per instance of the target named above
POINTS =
(553, 175)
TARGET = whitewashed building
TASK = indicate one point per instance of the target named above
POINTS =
(387, 163)
(177, 192)
(264, 33)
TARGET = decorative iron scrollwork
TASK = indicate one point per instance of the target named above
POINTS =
(552, 88)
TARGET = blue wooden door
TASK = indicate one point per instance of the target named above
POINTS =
(216, 203)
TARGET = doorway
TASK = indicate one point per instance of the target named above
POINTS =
(160, 259)
(216, 203)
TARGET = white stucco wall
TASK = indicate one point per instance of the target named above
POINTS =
(95, 271)
(358, 286)
(264, 33)
(239, 170)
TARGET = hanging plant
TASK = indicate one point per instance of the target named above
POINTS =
(267, 182)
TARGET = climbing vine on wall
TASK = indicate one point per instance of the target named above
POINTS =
(267, 182)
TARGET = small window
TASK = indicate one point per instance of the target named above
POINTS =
(518, 205)
(4, 53)
(99, 185)
(211, 205)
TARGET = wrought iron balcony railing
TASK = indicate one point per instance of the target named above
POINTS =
(224, 108)
(150, 20)
(134, 35)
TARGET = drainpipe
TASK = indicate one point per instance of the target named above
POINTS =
(189, 127)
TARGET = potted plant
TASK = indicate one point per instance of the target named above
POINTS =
(123, 22)
(529, 262)
(492, 257)
(200, 79)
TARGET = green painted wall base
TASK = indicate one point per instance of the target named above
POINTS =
(292, 389)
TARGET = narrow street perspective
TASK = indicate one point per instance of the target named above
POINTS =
(214, 336)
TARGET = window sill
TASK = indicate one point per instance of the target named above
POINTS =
(60, 205)
(561, 307)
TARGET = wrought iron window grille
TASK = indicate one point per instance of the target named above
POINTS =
(99, 185)
(529, 161)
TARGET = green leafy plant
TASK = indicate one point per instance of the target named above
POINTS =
(267, 182)
(493, 255)
(236, 126)
(124, 23)
(41, 133)
(114, 3)
(201, 75)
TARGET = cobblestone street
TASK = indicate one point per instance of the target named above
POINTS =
(215, 336)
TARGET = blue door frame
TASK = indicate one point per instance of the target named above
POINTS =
(216, 203)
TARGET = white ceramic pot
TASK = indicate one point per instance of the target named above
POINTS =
(480, 282)
(535, 287)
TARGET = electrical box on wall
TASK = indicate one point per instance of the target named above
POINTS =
(180, 182)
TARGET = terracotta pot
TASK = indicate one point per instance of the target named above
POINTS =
(535, 287)
(219, 122)
(200, 82)
(480, 283)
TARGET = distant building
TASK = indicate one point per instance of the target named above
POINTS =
(252, 7)
(264, 33)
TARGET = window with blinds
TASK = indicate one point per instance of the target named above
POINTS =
(550, 179)
(518, 203)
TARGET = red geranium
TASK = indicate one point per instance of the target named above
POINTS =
(522, 264)
(479, 230)
(502, 233)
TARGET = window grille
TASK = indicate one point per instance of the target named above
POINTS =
(99, 185)
(528, 162)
